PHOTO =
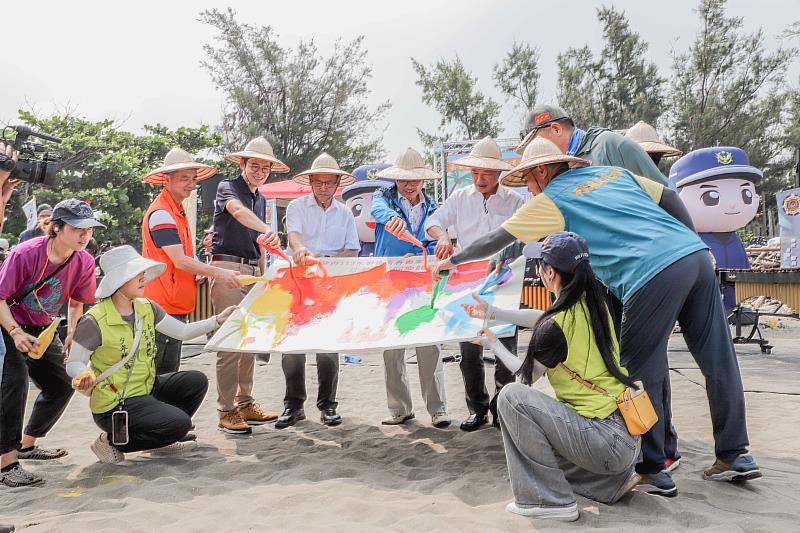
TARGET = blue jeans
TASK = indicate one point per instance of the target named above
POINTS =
(553, 452)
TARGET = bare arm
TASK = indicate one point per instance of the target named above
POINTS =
(23, 342)
(246, 217)
(74, 313)
(198, 268)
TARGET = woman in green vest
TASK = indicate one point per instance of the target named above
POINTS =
(112, 359)
(576, 442)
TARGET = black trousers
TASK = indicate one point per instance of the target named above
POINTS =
(49, 376)
(168, 351)
(165, 415)
(670, 435)
(294, 370)
(686, 291)
(474, 375)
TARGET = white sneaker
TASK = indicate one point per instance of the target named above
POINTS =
(565, 514)
(105, 451)
(396, 420)
(440, 420)
(176, 448)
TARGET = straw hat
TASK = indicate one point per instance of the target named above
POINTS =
(178, 159)
(122, 264)
(645, 135)
(540, 152)
(324, 164)
(259, 148)
(485, 154)
(409, 166)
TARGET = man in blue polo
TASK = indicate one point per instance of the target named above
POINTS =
(643, 247)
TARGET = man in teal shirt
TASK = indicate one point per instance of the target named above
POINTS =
(643, 247)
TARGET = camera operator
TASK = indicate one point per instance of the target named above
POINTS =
(6, 184)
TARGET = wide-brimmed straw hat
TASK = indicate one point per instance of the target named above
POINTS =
(409, 166)
(122, 264)
(324, 164)
(540, 152)
(178, 159)
(647, 137)
(485, 154)
(259, 148)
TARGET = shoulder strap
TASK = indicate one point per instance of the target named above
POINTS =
(588, 384)
(134, 349)
(42, 281)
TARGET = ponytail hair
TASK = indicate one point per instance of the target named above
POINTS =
(582, 284)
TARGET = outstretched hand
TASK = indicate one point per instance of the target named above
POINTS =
(477, 310)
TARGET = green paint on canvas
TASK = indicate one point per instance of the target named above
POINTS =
(415, 318)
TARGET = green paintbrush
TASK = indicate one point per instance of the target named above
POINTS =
(438, 287)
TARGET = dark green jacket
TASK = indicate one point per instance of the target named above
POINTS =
(604, 147)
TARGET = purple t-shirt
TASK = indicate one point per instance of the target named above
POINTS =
(24, 267)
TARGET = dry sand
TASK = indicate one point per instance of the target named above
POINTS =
(362, 476)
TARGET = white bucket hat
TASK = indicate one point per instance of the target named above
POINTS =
(485, 154)
(645, 135)
(178, 159)
(409, 166)
(122, 264)
(540, 152)
(324, 164)
(259, 148)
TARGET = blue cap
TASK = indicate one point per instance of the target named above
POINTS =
(720, 162)
(76, 213)
(563, 250)
(366, 180)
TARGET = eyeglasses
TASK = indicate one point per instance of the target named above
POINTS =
(258, 169)
(325, 184)
(532, 131)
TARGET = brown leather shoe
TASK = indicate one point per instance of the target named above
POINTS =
(254, 415)
(232, 422)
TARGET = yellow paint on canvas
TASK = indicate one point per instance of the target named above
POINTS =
(274, 304)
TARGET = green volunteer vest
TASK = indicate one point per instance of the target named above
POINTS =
(583, 357)
(117, 339)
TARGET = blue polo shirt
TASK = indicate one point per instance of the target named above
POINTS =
(631, 238)
(230, 237)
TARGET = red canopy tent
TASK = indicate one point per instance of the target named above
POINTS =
(287, 189)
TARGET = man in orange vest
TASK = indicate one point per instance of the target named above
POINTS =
(166, 238)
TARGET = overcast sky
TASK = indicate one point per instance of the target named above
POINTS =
(140, 61)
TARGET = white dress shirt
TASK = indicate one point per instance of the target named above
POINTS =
(414, 213)
(472, 216)
(325, 232)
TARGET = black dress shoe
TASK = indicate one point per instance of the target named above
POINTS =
(290, 417)
(475, 421)
(330, 417)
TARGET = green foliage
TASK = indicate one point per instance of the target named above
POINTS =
(301, 102)
(620, 87)
(517, 76)
(451, 90)
(103, 165)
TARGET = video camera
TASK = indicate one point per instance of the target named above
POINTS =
(38, 171)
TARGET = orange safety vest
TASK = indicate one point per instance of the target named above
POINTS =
(174, 290)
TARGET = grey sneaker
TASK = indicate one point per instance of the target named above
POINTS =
(176, 448)
(568, 513)
(19, 477)
(660, 483)
(396, 420)
(743, 468)
(37, 453)
(440, 420)
(105, 451)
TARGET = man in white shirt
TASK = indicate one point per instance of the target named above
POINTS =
(473, 212)
(317, 226)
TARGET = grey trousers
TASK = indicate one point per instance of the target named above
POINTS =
(553, 452)
(431, 380)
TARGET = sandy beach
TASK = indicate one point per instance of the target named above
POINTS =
(362, 476)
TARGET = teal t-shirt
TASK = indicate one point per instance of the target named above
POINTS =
(631, 238)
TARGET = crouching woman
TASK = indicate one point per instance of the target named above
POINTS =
(113, 356)
(576, 442)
